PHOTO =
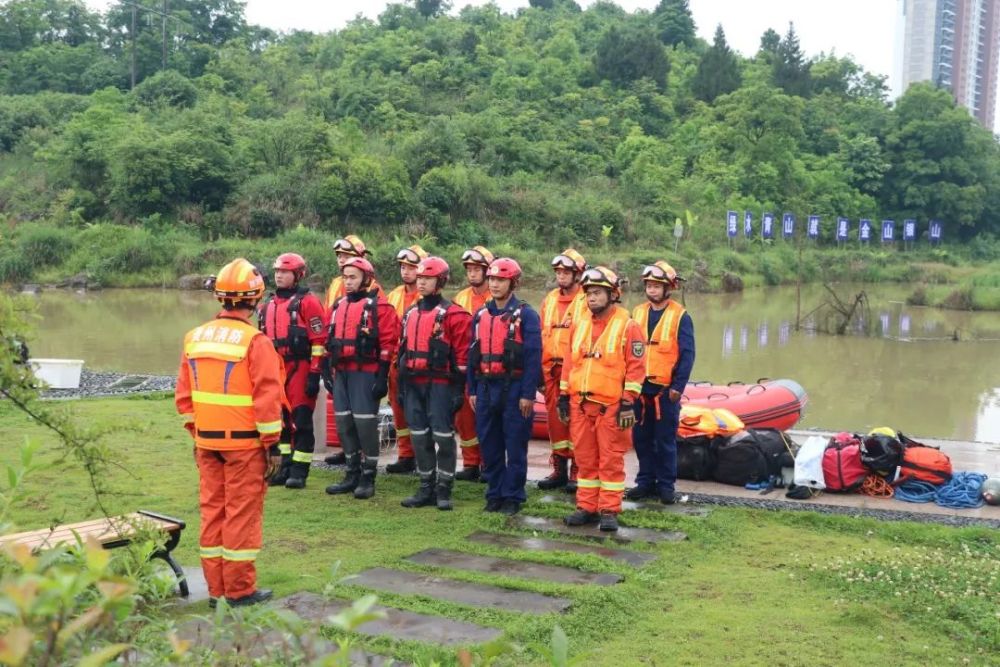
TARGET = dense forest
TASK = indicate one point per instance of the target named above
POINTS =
(553, 126)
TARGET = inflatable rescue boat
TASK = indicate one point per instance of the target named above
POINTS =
(764, 404)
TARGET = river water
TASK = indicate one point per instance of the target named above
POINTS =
(908, 373)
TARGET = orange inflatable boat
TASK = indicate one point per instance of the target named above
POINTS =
(764, 404)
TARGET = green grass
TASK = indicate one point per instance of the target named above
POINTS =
(747, 588)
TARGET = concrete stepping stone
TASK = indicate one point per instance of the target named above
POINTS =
(623, 535)
(634, 558)
(511, 568)
(476, 595)
(398, 624)
(683, 509)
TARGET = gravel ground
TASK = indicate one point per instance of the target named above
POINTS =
(107, 383)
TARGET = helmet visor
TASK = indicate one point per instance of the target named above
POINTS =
(596, 277)
(407, 256)
(343, 245)
(473, 256)
(563, 262)
(655, 273)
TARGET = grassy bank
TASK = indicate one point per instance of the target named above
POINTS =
(150, 256)
(748, 587)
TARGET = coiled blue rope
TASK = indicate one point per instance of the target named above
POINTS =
(962, 492)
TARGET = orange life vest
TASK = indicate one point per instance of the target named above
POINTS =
(221, 392)
(598, 367)
(470, 301)
(426, 345)
(555, 325)
(353, 335)
(499, 347)
(697, 420)
(662, 350)
(401, 300)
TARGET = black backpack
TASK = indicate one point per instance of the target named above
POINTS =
(881, 454)
(752, 456)
(696, 457)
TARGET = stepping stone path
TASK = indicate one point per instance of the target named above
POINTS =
(623, 535)
(511, 568)
(634, 558)
(682, 509)
(462, 592)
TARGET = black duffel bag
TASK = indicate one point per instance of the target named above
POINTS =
(696, 457)
(753, 456)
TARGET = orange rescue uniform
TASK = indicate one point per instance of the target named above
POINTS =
(230, 390)
(401, 300)
(465, 420)
(558, 312)
(604, 362)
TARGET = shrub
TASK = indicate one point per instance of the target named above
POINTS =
(42, 245)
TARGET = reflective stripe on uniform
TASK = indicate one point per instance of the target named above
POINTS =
(284, 448)
(210, 552)
(584, 483)
(471, 442)
(215, 398)
(302, 457)
(562, 444)
(269, 427)
(240, 554)
(609, 486)
(633, 386)
(318, 350)
(449, 434)
(402, 432)
(205, 349)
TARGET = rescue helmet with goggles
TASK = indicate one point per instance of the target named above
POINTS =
(661, 272)
(505, 267)
(351, 245)
(239, 281)
(293, 262)
(434, 267)
(569, 259)
(411, 255)
(364, 266)
(601, 276)
(477, 256)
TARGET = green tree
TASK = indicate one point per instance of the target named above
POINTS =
(166, 88)
(377, 191)
(770, 41)
(790, 70)
(431, 8)
(627, 55)
(674, 22)
(718, 70)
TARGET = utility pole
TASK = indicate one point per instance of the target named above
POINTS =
(163, 28)
(133, 45)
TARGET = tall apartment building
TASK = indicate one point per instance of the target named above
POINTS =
(956, 45)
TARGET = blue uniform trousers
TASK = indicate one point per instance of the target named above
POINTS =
(503, 440)
(655, 442)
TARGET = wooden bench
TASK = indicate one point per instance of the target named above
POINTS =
(110, 533)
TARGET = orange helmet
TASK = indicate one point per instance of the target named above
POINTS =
(366, 268)
(661, 272)
(477, 256)
(290, 261)
(411, 255)
(239, 281)
(351, 245)
(601, 276)
(434, 267)
(505, 267)
(569, 259)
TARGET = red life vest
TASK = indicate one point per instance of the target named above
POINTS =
(353, 333)
(425, 348)
(499, 347)
(282, 323)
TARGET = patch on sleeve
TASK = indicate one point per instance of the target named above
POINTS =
(316, 324)
(637, 349)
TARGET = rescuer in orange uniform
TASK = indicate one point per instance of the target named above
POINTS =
(433, 354)
(669, 359)
(294, 320)
(401, 299)
(560, 308)
(476, 261)
(345, 248)
(364, 333)
(230, 390)
(603, 370)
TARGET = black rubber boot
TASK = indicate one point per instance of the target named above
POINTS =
(444, 495)
(297, 475)
(404, 464)
(351, 477)
(258, 596)
(641, 493)
(609, 522)
(559, 476)
(570, 486)
(366, 488)
(281, 475)
(468, 474)
(581, 518)
(493, 505)
(337, 459)
(424, 497)
(510, 507)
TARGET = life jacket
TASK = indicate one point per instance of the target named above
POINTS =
(222, 392)
(282, 323)
(555, 329)
(425, 348)
(353, 331)
(598, 368)
(662, 351)
(470, 301)
(401, 300)
(498, 347)
(696, 420)
(337, 291)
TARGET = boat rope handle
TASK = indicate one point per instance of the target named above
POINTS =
(722, 396)
(751, 392)
(730, 384)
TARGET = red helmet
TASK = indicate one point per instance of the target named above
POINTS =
(434, 267)
(505, 267)
(365, 266)
(290, 261)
